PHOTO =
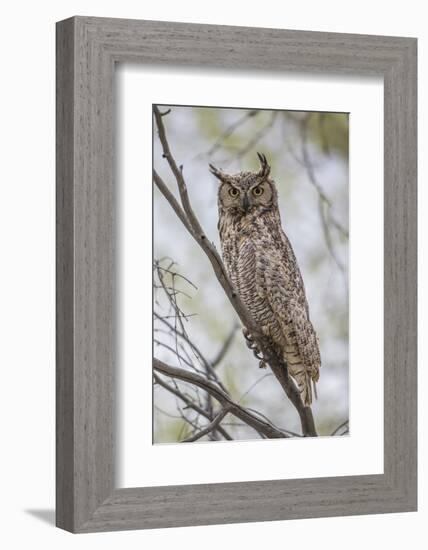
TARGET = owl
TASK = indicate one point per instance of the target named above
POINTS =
(263, 269)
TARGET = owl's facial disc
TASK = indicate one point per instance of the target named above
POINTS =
(247, 195)
(245, 192)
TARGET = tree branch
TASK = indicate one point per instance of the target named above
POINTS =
(207, 365)
(253, 141)
(261, 426)
(224, 348)
(229, 131)
(323, 200)
(161, 185)
(191, 404)
(212, 426)
(340, 427)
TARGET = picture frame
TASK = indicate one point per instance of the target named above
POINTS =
(87, 51)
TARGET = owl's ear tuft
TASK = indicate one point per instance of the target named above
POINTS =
(264, 166)
(219, 174)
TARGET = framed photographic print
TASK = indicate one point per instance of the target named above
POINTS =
(259, 260)
(236, 274)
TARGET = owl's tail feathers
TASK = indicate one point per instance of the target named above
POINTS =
(307, 387)
(314, 384)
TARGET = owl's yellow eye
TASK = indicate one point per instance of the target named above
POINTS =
(233, 192)
(257, 191)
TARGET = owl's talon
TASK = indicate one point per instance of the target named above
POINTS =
(252, 345)
(247, 335)
(249, 340)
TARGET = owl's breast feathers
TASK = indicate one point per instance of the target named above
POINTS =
(262, 266)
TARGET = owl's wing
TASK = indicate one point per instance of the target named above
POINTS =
(305, 338)
(285, 293)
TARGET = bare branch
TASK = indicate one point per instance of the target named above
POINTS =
(254, 140)
(172, 200)
(211, 427)
(174, 273)
(307, 163)
(170, 292)
(178, 174)
(324, 204)
(263, 427)
(208, 367)
(224, 348)
(254, 384)
(258, 413)
(229, 131)
(340, 427)
(189, 403)
(175, 352)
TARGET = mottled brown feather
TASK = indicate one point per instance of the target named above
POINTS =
(263, 268)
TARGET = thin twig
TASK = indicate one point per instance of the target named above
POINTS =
(324, 203)
(340, 427)
(258, 413)
(224, 348)
(191, 404)
(161, 185)
(230, 130)
(208, 367)
(253, 385)
(253, 141)
(175, 273)
(261, 426)
(210, 428)
(175, 352)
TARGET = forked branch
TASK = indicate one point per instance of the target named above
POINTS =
(261, 426)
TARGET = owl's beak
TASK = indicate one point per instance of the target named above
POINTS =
(245, 203)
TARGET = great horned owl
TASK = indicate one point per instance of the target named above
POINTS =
(262, 266)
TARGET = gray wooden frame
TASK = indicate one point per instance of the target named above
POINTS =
(87, 50)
